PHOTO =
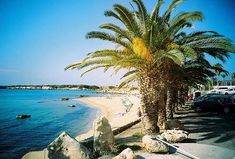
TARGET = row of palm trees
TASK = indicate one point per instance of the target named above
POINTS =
(158, 54)
(219, 72)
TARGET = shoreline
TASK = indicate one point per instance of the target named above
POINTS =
(113, 109)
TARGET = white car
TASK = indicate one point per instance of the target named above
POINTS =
(213, 91)
(220, 90)
(229, 91)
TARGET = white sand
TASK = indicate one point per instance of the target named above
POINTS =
(113, 109)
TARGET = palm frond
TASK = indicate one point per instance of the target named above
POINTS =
(110, 13)
(117, 30)
(171, 7)
(107, 37)
(129, 73)
(186, 16)
(128, 19)
(93, 68)
(142, 12)
(72, 66)
(127, 81)
(155, 13)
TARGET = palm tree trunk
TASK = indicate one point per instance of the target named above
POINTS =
(171, 84)
(170, 103)
(151, 101)
(181, 97)
(162, 111)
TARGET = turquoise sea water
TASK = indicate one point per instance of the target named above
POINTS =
(49, 117)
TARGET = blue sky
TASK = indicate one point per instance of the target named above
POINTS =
(41, 37)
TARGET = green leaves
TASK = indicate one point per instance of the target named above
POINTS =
(116, 29)
(142, 12)
(177, 56)
(107, 37)
(128, 78)
(233, 76)
(171, 7)
(127, 18)
(94, 68)
(164, 39)
(155, 13)
(186, 16)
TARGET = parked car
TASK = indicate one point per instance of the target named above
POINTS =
(203, 97)
(215, 102)
(220, 90)
(229, 91)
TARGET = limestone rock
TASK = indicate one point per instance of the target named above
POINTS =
(174, 124)
(154, 145)
(66, 147)
(36, 155)
(174, 136)
(103, 136)
(126, 154)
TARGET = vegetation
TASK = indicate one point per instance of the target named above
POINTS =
(138, 135)
(233, 76)
(92, 87)
(122, 146)
(163, 59)
(219, 71)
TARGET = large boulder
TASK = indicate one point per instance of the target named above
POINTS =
(66, 147)
(174, 136)
(155, 146)
(103, 136)
(174, 124)
(36, 155)
(126, 154)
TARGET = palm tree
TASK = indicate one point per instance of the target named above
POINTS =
(191, 74)
(224, 75)
(149, 46)
(218, 69)
(233, 76)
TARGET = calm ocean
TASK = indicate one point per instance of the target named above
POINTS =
(49, 117)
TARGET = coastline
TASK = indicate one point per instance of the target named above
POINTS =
(113, 109)
(110, 107)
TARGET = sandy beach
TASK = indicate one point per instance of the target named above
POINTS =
(113, 109)
(221, 133)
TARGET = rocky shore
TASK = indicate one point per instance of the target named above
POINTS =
(117, 134)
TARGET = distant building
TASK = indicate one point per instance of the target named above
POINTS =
(46, 87)
(226, 83)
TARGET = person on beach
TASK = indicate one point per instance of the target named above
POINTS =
(127, 104)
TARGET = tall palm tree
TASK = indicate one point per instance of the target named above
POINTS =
(218, 69)
(149, 46)
(224, 75)
(191, 74)
(218, 66)
(233, 76)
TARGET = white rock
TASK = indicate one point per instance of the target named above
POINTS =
(66, 147)
(36, 155)
(103, 136)
(154, 145)
(174, 136)
(126, 154)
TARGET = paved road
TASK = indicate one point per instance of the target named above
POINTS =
(210, 128)
(212, 136)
